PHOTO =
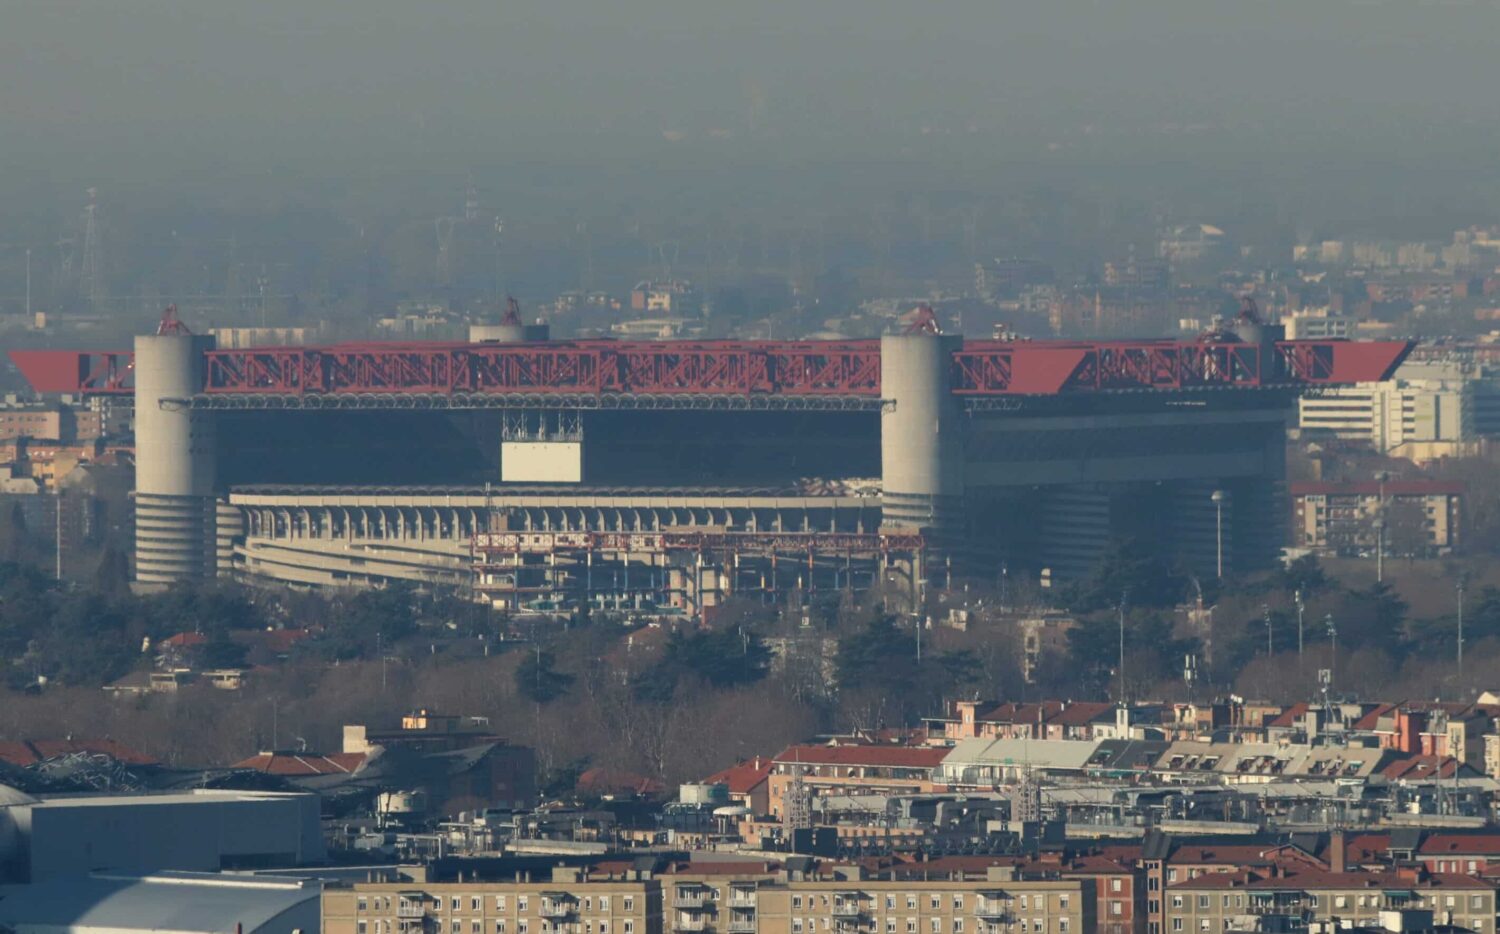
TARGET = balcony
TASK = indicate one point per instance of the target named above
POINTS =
(742, 924)
(411, 911)
(556, 910)
(691, 901)
(995, 909)
(742, 898)
(690, 922)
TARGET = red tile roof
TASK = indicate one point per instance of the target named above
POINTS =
(743, 777)
(1288, 717)
(907, 757)
(614, 781)
(1325, 879)
(303, 764)
(30, 752)
(183, 640)
(1461, 844)
(1416, 768)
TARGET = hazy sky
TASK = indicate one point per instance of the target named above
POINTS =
(193, 77)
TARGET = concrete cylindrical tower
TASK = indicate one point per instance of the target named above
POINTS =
(174, 463)
(921, 451)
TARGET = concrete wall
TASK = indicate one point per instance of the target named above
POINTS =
(174, 472)
(141, 833)
(921, 446)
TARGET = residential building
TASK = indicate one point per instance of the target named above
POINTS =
(1317, 324)
(1001, 903)
(1237, 900)
(567, 903)
(853, 769)
(1420, 517)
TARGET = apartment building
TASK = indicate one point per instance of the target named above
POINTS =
(1421, 517)
(1432, 408)
(568, 903)
(723, 899)
(1243, 899)
(853, 769)
(999, 904)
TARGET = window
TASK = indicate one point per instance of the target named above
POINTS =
(1025, 902)
(476, 926)
(455, 926)
(958, 926)
(456, 902)
(1203, 925)
(890, 926)
(1203, 902)
(521, 926)
(361, 903)
(629, 905)
(1312, 901)
(588, 903)
(604, 903)
(603, 927)
(937, 903)
(499, 926)
(1473, 866)
(796, 926)
(1171, 875)
(474, 903)
(911, 903)
(1062, 902)
(1341, 901)
(890, 903)
(629, 925)
(1451, 902)
(1476, 902)
(361, 926)
(499, 902)
(521, 901)
(1176, 924)
(1062, 925)
(1115, 885)
(936, 924)
(958, 903)
(1116, 909)
(1176, 901)
(911, 926)
(796, 901)
(588, 927)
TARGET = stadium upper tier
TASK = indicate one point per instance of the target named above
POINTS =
(726, 369)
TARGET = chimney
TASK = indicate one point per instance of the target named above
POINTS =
(1337, 852)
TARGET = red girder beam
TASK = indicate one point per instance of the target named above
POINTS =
(797, 368)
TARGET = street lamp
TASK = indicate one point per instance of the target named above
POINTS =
(1300, 607)
(1380, 478)
(1460, 588)
(1379, 549)
(1218, 498)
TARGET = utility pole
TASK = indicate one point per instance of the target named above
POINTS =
(1333, 638)
(1265, 611)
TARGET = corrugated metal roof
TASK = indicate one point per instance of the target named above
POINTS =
(179, 902)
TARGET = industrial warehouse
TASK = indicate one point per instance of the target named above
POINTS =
(673, 474)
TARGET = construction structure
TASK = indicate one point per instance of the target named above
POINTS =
(537, 470)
